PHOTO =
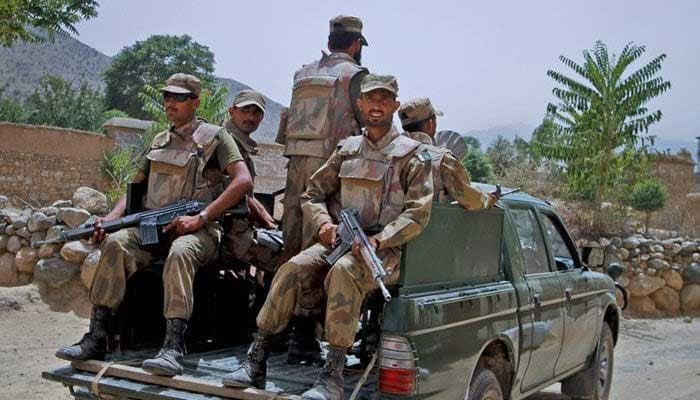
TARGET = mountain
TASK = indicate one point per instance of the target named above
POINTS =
(23, 65)
(509, 131)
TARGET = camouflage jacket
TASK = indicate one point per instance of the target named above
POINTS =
(389, 182)
(321, 112)
(450, 178)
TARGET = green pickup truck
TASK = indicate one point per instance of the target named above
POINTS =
(493, 304)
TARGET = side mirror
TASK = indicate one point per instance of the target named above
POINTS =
(615, 270)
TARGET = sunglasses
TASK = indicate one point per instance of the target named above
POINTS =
(178, 97)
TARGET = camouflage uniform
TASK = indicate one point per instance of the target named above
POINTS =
(321, 113)
(389, 183)
(177, 168)
(243, 239)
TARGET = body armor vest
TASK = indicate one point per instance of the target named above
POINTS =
(179, 172)
(321, 112)
(436, 155)
(371, 179)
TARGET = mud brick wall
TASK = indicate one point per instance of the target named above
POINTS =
(676, 173)
(43, 164)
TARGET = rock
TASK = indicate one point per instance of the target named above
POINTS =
(37, 237)
(643, 285)
(688, 320)
(630, 243)
(49, 211)
(19, 221)
(692, 274)
(47, 250)
(673, 279)
(658, 248)
(24, 233)
(62, 203)
(596, 257)
(675, 249)
(657, 255)
(604, 242)
(55, 272)
(75, 251)
(73, 296)
(88, 267)
(72, 216)
(617, 241)
(642, 305)
(593, 244)
(624, 253)
(644, 257)
(658, 264)
(40, 222)
(10, 230)
(695, 257)
(3, 243)
(668, 243)
(650, 271)
(14, 244)
(3, 201)
(8, 270)
(690, 298)
(688, 248)
(667, 299)
(25, 259)
(54, 232)
(91, 200)
(624, 280)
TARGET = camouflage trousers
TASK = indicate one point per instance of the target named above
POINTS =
(296, 239)
(243, 243)
(301, 285)
(122, 256)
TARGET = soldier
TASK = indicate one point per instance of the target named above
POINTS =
(387, 179)
(253, 239)
(184, 162)
(450, 178)
(321, 113)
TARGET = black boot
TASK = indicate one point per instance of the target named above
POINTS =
(303, 345)
(329, 385)
(253, 371)
(93, 345)
(168, 361)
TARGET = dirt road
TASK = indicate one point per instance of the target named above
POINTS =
(655, 359)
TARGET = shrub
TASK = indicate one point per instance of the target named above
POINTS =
(648, 196)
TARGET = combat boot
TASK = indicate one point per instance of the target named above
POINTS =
(253, 371)
(168, 361)
(93, 345)
(329, 385)
(303, 345)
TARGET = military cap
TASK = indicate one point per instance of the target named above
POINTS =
(347, 23)
(416, 110)
(247, 97)
(183, 83)
(373, 81)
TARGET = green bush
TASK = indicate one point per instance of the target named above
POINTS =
(118, 165)
(478, 165)
(648, 196)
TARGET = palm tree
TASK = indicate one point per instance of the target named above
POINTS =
(602, 120)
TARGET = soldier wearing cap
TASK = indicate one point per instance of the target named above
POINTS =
(321, 113)
(254, 238)
(185, 162)
(387, 178)
(450, 178)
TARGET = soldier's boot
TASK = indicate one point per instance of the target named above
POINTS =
(168, 361)
(303, 345)
(93, 345)
(329, 385)
(253, 371)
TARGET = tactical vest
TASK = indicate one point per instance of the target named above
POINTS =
(436, 155)
(371, 180)
(321, 112)
(180, 174)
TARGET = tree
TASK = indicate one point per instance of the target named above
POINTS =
(11, 111)
(601, 122)
(478, 165)
(46, 16)
(473, 142)
(501, 153)
(57, 103)
(151, 62)
(648, 196)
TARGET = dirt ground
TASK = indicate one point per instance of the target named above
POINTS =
(655, 359)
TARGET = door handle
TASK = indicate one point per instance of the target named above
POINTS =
(537, 299)
(569, 293)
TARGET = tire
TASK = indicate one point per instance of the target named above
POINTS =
(594, 381)
(484, 386)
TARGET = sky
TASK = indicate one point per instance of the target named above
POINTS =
(483, 63)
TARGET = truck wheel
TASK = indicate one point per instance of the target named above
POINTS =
(594, 381)
(484, 386)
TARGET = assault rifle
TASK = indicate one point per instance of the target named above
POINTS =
(150, 223)
(350, 230)
(498, 193)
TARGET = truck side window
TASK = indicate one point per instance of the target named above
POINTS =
(531, 241)
(562, 252)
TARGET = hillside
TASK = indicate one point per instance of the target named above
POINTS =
(23, 65)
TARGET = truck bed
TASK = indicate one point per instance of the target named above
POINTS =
(201, 380)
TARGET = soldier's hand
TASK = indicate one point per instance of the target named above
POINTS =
(99, 234)
(182, 225)
(327, 233)
(356, 246)
(492, 199)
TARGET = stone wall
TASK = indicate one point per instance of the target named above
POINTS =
(43, 164)
(270, 167)
(676, 173)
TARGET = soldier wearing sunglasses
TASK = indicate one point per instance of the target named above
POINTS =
(185, 162)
